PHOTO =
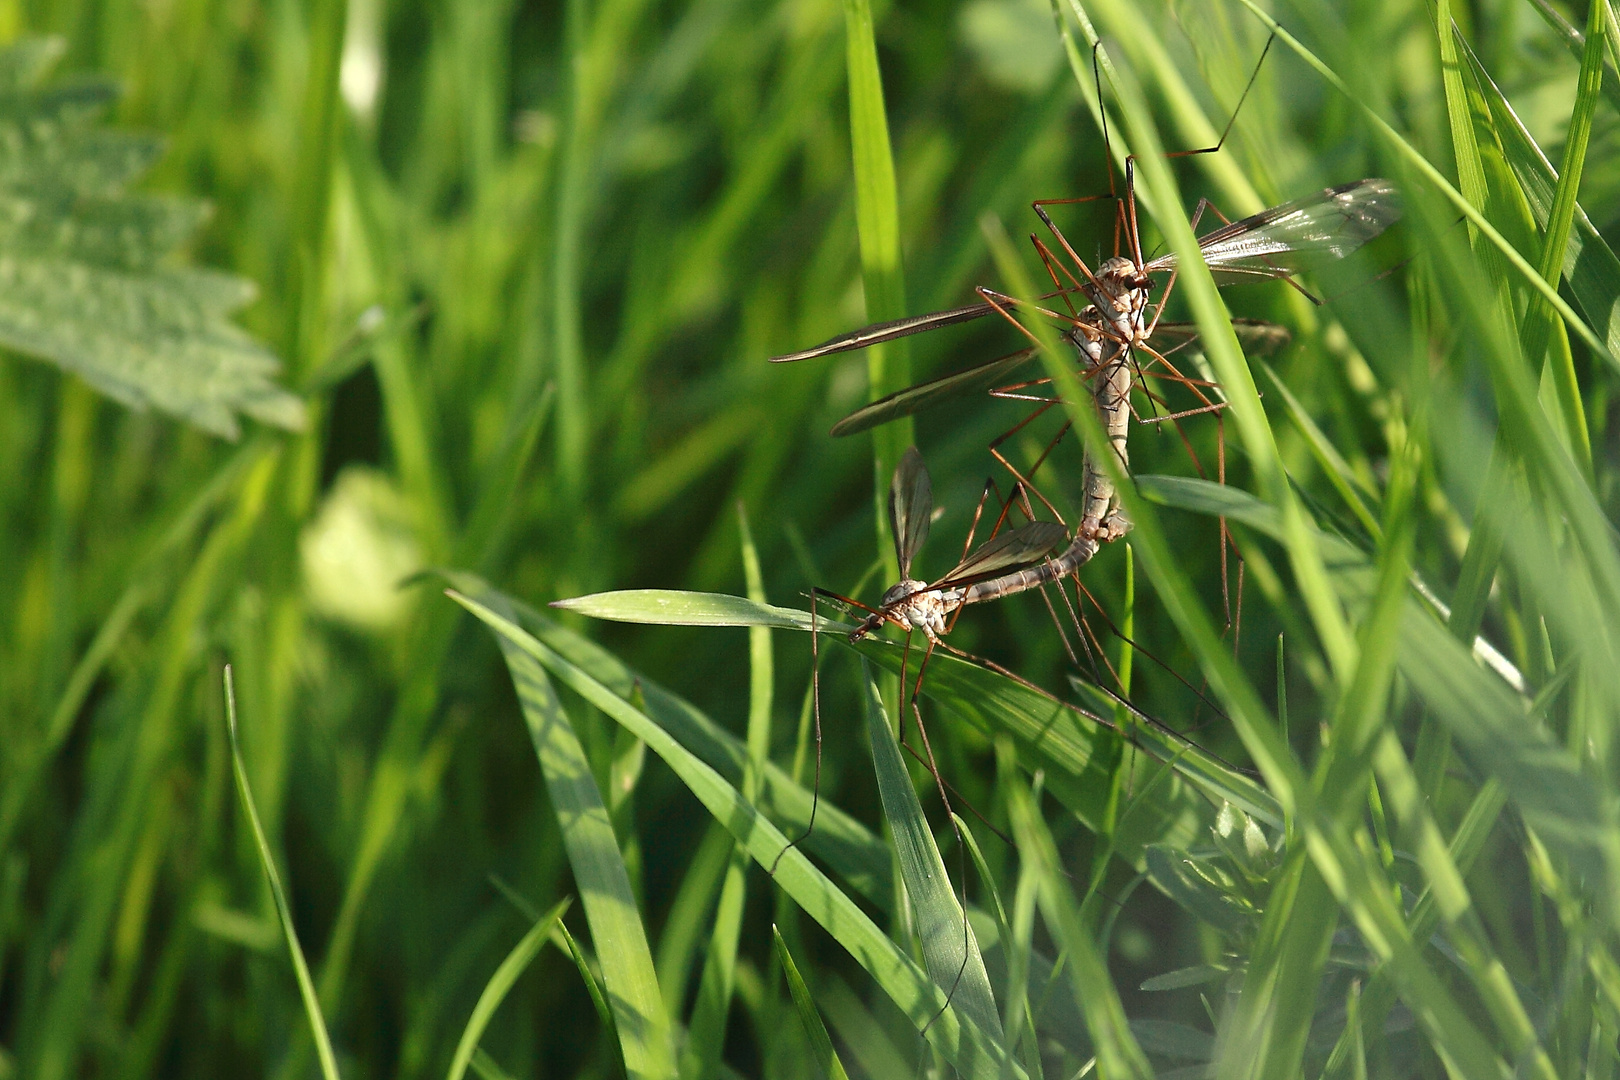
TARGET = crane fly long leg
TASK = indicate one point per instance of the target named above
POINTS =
(1052, 268)
(1182, 415)
(1253, 75)
(815, 712)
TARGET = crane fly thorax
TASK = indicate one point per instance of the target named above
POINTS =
(915, 606)
(1119, 295)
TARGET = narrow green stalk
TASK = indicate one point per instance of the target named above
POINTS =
(877, 218)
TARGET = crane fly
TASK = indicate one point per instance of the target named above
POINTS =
(911, 604)
(1121, 318)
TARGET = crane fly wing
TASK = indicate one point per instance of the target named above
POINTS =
(1285, 239)
(1023, 546)
(911, 505)
(925, 395)
(1257, 336)
(878, 333)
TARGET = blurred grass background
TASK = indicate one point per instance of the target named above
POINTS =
(527, 261)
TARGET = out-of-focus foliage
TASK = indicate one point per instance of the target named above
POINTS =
(525, 261)
(87, 274)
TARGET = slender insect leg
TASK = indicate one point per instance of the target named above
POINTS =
(905, 657)
(1052, 267)
(1023, 481)
(815, 712)
(1253, 75)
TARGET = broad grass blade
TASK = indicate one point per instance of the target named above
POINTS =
(949, 948)
(604, 883)
(673, 607)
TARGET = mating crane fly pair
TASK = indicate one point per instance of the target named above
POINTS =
(1115, 325)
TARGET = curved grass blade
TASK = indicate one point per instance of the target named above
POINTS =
(972, 1052)
(877, 221)
(949, 948)
(594, 988)
(1072, 746)
(674, 607)
(604, 882)
(522, 954)
(1489, 721)
(862, 859)
(306, 985)
(820, 1042)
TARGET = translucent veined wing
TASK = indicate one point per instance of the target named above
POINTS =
(1007, 551)
(911, 505)
(878, 333)
(1277, 242)
(924, 395)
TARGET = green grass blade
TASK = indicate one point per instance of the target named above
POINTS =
(958, 1039)
(494, 992)
(1073, 746)
(1148, 53)
(761, 669)
(706, 1034)
(859, 857)
(599, 870)
(306, 985)
(820, 1042)
(877, 219)
(1426, 168)
(1332, 463)
(1483, 714)
(1118, 1053)
(1555, 243)
(1590, 265)
(673, 607)
(594, 988)
(950, 950)
(688, 915)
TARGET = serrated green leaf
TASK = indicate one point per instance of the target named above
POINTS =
(87, 275)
